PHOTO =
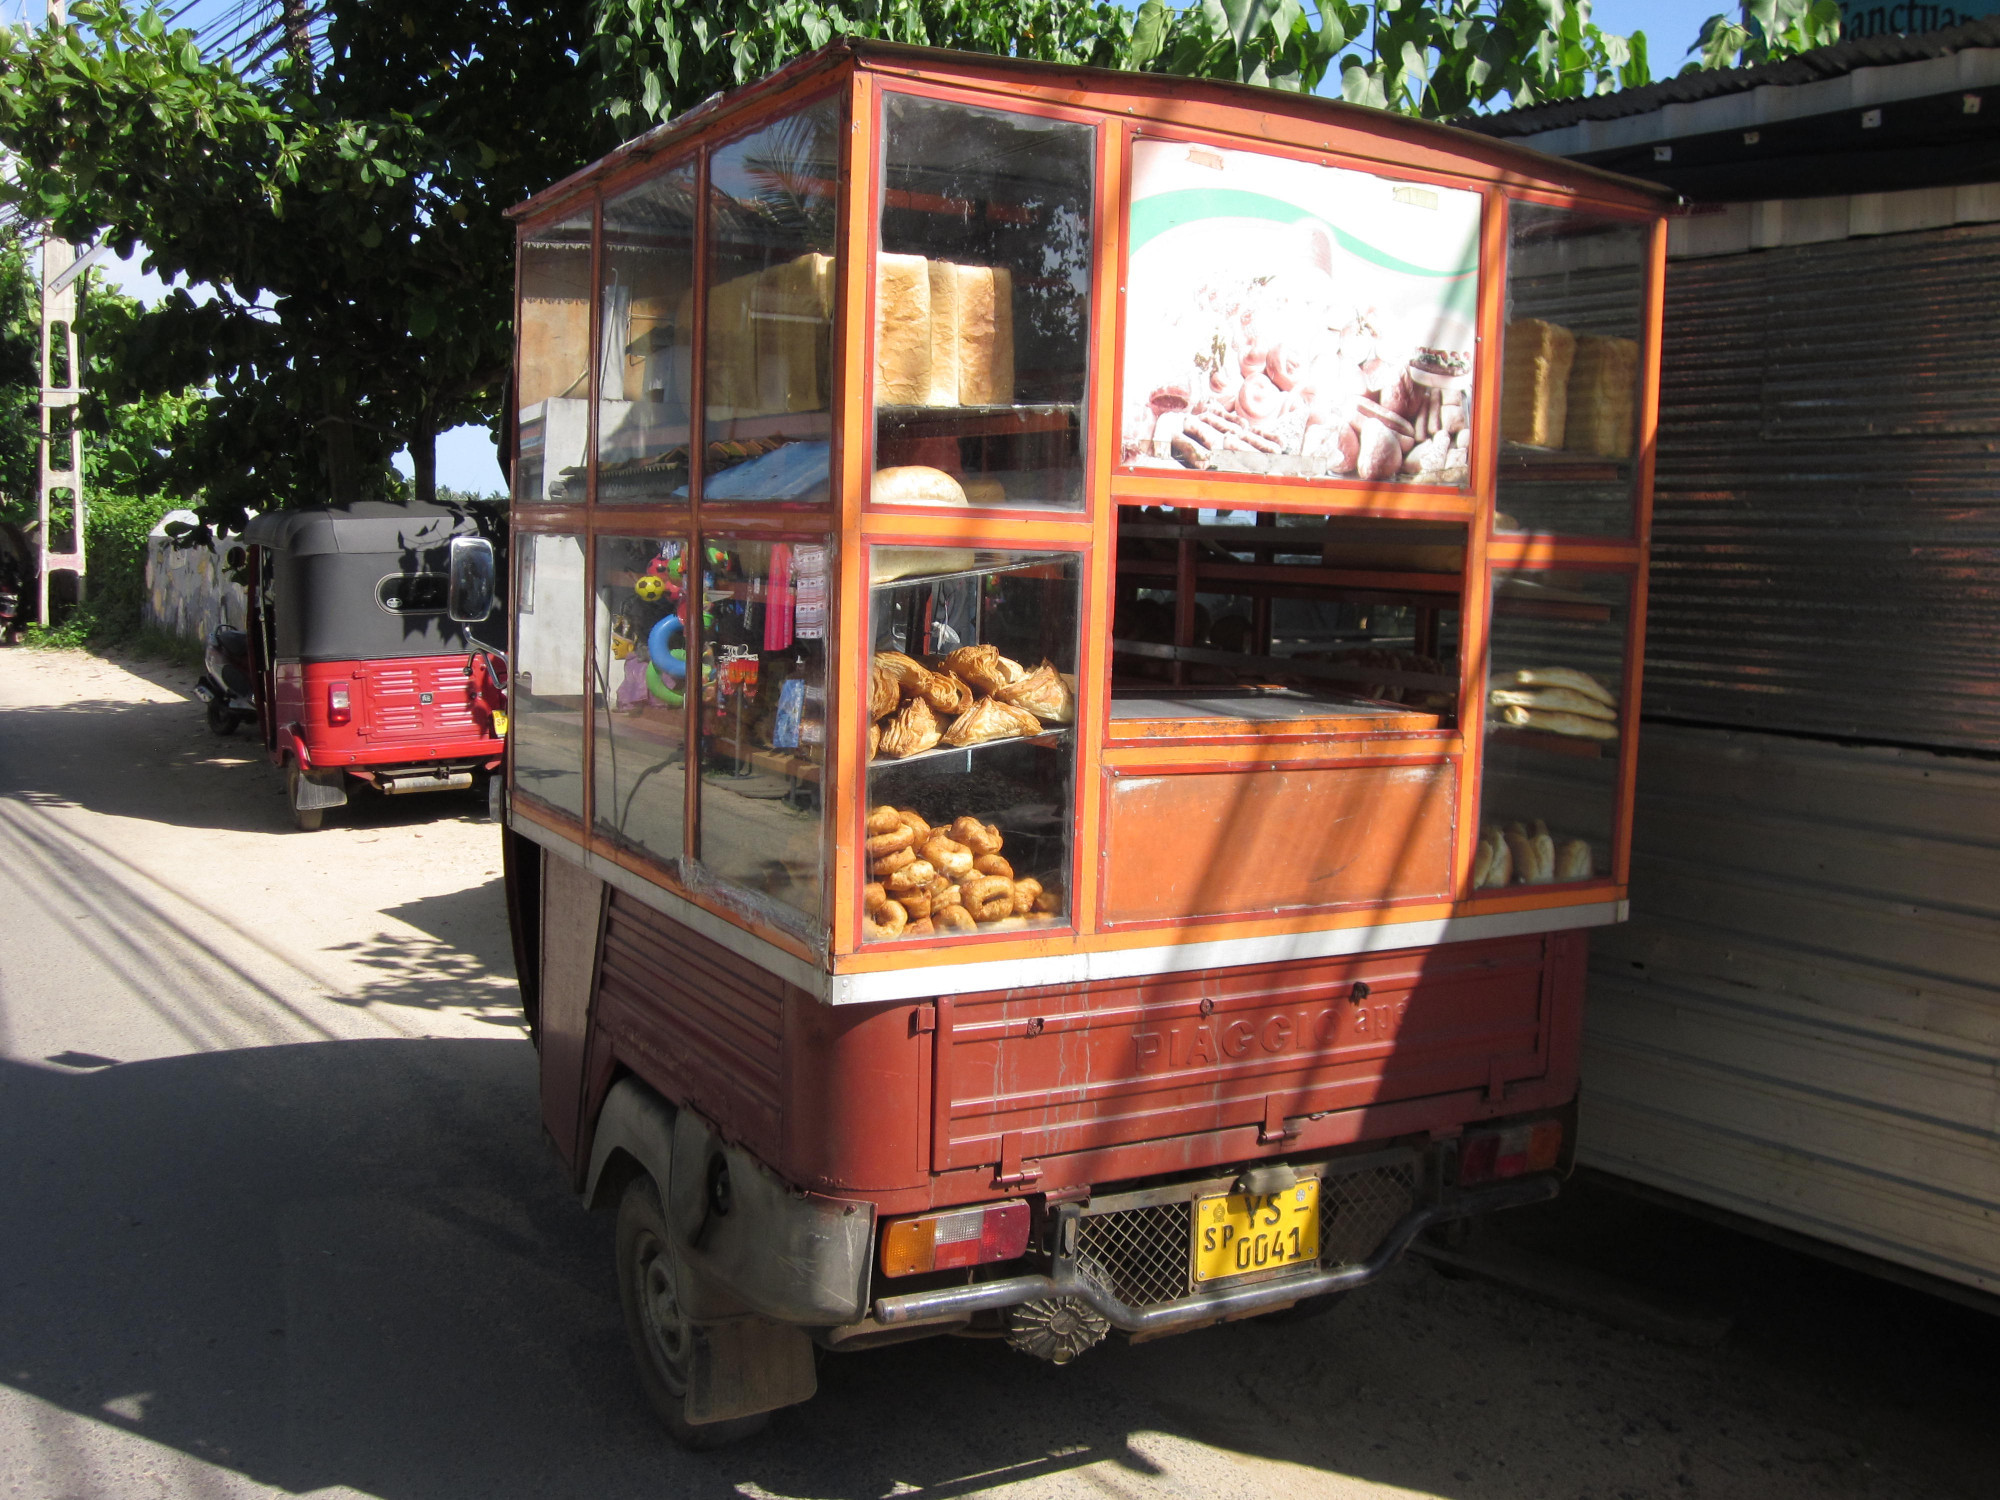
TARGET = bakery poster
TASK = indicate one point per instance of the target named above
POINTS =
(1291, 319)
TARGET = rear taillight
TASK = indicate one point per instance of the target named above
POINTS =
(339, 707)
(944, 1242)
(1511, 1151)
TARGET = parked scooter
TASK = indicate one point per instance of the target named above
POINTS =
(225, 680)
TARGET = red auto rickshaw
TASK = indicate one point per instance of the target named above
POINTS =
(365, 652)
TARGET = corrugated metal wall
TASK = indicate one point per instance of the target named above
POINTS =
(1801, 1022)
(1826, 535)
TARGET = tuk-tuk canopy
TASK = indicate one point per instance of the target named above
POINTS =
(333, 581)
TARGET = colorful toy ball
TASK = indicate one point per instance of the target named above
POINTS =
(650, 587)
(661, 567)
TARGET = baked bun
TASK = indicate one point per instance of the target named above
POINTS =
(916, 484)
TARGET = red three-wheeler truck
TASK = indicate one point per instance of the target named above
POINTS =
(364, 653)
(1076, 644)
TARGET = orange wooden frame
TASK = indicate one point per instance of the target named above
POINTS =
(1122, 108)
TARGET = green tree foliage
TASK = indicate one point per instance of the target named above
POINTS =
(347, 210)
(20, 377)
(1764, 31)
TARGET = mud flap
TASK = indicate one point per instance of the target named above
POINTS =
(316, 789)
(746, 1366)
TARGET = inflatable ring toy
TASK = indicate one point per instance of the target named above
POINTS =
(656, 685)
(659, 646)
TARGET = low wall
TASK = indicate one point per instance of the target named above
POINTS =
(188, 589)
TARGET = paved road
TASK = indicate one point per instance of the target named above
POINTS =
(275, 1218)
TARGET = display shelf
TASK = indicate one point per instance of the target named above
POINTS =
(981, 421)
(1573, 746)
(1047, 740)
(1519, 461)
(1291, 666)
(917, 580)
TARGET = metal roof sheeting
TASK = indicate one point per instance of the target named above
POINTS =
(1817, 66)
(1802, 1022)
(1826, 532)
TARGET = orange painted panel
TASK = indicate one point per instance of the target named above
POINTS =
(1214, 843)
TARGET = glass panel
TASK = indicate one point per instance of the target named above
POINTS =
(546, 697)
(1576, 312)
(1350, 624)
(763, 722)
(972, 753)
(554, 363)
(646, 342)
(770, 310)
(1288, 318)
(983, 306)
(639, 632)
(1548, 800)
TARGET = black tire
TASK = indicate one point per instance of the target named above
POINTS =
(648, 1275)
(221, 722)
(307, 820)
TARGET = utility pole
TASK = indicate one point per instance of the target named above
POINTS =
(62, 369)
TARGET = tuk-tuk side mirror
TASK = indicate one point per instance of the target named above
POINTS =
(471, 594)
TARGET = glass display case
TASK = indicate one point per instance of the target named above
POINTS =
(639, 644)
(971, 740)
(552, 363)
(961, 522)
(763, 720)
(547, 695)
(982, 321)
(646, 342)
(1264, 621)
(1570, 371)
(771, 219)
(1548, 807)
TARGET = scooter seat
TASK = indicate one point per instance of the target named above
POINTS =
(234, 644)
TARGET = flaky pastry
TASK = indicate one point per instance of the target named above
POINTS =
(912, 731)
(984, 667)
(1044, 693)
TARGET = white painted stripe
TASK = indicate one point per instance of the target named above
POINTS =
(960, 978)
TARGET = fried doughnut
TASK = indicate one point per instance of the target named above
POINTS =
(1026, 894)
(922, 927)
(911, 877)
(883, 820)
(914, 821)
(916, 903)
(872, 895)
(988, 897)
(953, 919)
(980, 838)
(899, 837)
(993, 864)
(948, 855)
(887, 921)
(888, 864)
(1050, 901)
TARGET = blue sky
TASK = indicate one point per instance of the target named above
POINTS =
(466, 457)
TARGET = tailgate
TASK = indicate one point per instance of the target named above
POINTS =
(1087, 1067)
(417, 699)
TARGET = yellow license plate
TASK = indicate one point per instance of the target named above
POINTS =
(1236, 1234)
(500, 724)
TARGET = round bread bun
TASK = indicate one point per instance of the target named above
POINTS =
(916, 484)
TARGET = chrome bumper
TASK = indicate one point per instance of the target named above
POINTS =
(1066, 1280)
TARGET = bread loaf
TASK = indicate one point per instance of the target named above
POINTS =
(945, 334)
(915, 484)
(985, 336)
(1603, 382)
(791, 315)
(902, 330)
(1534, 382)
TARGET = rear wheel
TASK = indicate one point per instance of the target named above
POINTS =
(307, 819)
(662, 1341)
(220, 720)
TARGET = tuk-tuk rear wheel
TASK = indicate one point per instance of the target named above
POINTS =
(648, 1286)
(306, 819)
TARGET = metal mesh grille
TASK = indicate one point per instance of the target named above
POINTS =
(1356, 1212)
(1142, 1255)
